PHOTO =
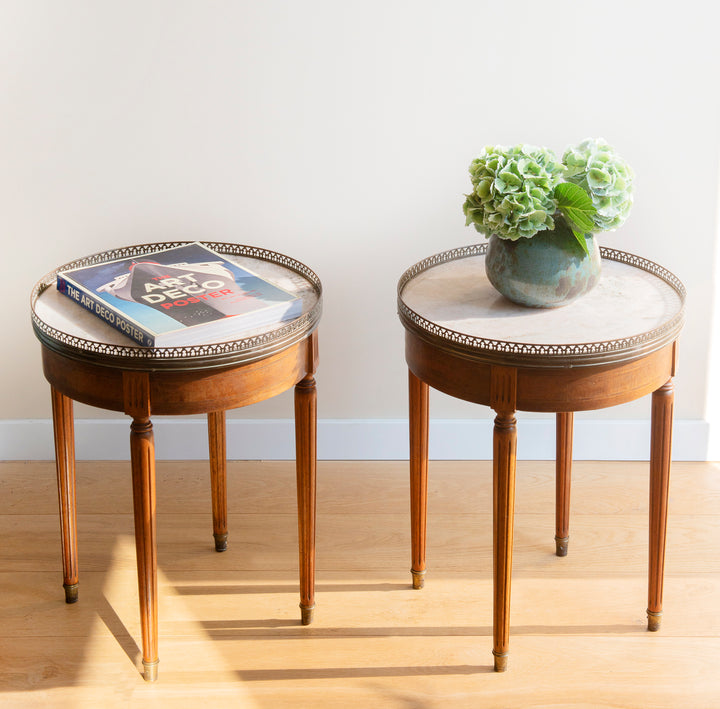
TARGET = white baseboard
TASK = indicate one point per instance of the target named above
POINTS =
(462, 439)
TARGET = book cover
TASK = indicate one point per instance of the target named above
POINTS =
(178, 296)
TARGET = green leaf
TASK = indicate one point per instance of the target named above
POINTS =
(576, 205)
(577, 208)
(580, 239)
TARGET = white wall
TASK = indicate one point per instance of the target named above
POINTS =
(340, 133)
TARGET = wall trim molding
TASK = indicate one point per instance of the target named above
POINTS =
(349, 439)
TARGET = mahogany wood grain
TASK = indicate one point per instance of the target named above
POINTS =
(142, 456)
(142, 459)
(419, 418)
(563, 469)
(560, 388)
(660, 457)
(504, 461)
(305, 463)
(503, 392)
(182, 392)
(218, 477)
(306, 473)
(64, 433)
(446, 372)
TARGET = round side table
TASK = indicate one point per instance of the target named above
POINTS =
(86, 360)
(613, 345)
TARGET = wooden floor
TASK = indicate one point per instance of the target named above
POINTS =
(230, 634)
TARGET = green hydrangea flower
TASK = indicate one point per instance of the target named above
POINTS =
(605, 176)
(512, 191)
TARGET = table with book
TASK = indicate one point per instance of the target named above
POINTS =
(182, 328)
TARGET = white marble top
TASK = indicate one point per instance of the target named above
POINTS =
(456, 298)
(59, 318)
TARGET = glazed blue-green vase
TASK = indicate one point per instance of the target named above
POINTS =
(546, 271)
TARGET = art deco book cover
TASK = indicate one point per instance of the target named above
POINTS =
(178, 296)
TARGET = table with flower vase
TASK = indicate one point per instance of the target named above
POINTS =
(86, 360)
(613, 345)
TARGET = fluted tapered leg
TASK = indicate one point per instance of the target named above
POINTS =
(563, 468)
(306, 461)
(660, 457)
(419, 411)
(142, 456)
(64, 431)
(136, 396)
(218, 477)
(504, 462)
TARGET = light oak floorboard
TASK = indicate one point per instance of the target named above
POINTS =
(229, 623)
(355, 487)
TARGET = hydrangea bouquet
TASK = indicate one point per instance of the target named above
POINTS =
(520, 191)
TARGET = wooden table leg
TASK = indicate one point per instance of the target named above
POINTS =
(504, 462)
(64, 432)
(419, 416)
(563, 467)
(142, 456)
(660, 456)
(306, 462)
(142, 459)
(218, 477)
(503, 387)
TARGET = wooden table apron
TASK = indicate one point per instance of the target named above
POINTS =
(142, 383)
(178, 392)
(512, 380)
(540, 389)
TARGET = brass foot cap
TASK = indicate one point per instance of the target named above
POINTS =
(71, 592)
(221, 542)
(151, 670)
(307, 614)
(418, 578)
(501, 661)
(561, 546)
(654, 621)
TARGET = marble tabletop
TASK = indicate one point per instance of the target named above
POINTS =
(636, 306)
(62, 324)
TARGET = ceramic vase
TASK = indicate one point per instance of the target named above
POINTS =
(549, 270)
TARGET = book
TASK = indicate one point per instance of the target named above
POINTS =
(178, 296)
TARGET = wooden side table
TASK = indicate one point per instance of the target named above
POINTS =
(86, 360)
(614, 345)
